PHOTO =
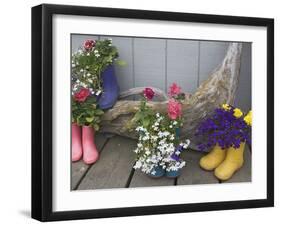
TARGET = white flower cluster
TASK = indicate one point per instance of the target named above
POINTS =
(158, 147)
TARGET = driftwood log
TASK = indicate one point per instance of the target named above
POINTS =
(220, 87)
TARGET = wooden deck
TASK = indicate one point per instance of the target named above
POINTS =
(114, 169)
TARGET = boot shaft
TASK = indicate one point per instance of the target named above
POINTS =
(88, 133)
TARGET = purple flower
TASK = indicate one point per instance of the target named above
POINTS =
(176, 155)
(224, 129)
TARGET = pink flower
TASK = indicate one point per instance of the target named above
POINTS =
(174, 90)
(174, 109)
(148, 93)
(82, 95)
(89, 44)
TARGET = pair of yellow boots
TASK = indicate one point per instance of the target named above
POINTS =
(224, 162)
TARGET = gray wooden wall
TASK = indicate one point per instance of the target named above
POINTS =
(160, 62)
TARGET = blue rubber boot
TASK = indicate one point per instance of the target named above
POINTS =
(110, 88)
(172, 173)
(159, 172)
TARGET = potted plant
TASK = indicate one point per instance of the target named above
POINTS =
(225, 132)
(94, 89)
(159, 147)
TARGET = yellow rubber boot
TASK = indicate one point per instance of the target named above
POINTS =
(233, 161)
(213, 159)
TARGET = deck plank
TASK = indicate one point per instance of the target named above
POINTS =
(113, 168)
(192, 172)
(245, 173)
(140, 179)
(78, 169)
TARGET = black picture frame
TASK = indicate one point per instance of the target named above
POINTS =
(42, 111)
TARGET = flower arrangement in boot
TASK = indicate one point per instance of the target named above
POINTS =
(226, 132)
(159, 147)
(92, 76)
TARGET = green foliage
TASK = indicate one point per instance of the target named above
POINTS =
(86, 113)
(87, 66)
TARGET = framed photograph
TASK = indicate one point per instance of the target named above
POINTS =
(146, 112)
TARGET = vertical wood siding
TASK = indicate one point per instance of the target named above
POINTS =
(160, 62)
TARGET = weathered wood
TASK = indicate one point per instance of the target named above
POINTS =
(113, 168)
(139, 90)
(219, 88)
(78, 169)
(245, 173)
(140, 179)
(192, 172)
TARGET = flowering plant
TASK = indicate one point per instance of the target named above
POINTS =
(227, 127)
(88, 63)
(158, 142)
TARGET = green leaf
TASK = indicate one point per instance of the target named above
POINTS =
(146, 122)
(121, 63)
(96, 127)
(89, 119)
(99, 112)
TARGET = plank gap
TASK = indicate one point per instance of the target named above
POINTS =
(176, 181)
(130, 177)
(86, 171)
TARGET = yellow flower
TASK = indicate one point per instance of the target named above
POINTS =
(226, 107)
(237, 113)
(248, 118)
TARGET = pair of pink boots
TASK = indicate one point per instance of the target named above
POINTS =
(83, 144)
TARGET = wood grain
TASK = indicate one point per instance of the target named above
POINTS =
(142, 180)
(192, 173)
(113, 168)
(78, 169)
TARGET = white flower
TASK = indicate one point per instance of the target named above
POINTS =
(81, 70)
(137, 165)
(157, 115)
(147, 152)
(97, 55)
(98, 92)
(88, 54)
(96, 51)
(175, 123)
(139, 145)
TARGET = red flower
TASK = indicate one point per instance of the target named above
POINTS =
(174, 90)
(89, 44)
(82, 95)
(148, 93)
(174, 109)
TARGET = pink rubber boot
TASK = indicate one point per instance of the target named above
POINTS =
(90, 152)
(76, 142)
